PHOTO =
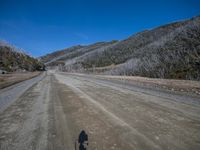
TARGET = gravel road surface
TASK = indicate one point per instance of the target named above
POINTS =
(11, 93)
(116, 116)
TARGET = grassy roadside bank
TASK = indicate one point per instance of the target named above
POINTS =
(13, 78)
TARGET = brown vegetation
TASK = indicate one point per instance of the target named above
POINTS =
(11, 60)
(13, 78)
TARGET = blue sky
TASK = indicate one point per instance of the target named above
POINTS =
(42, 26)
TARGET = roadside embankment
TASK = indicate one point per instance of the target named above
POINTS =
(13, 78)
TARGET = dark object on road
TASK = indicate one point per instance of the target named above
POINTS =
(82, 140)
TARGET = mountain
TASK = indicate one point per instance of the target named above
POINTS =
(169, 51)
(61, 56)
(13, 59)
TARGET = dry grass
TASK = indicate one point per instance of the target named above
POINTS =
(172, 84)
(13, 78)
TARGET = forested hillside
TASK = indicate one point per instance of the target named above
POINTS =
(11, 59)
(169, 51)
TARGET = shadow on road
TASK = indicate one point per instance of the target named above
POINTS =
(82, 141)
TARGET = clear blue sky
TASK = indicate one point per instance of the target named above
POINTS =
(43, 26)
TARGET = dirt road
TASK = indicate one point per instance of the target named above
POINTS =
(51, 114)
